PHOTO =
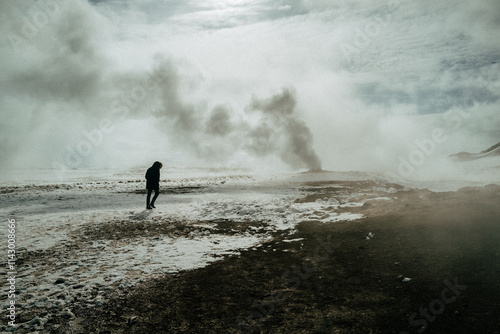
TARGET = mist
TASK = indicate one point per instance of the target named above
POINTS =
(294, 85)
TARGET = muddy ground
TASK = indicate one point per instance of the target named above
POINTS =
(333, 279)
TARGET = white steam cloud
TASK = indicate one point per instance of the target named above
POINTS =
(357, 85)
(68, 98)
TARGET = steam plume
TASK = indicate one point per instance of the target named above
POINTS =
(272, 126)
(281, 123)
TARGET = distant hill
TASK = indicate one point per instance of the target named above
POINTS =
(493, 151)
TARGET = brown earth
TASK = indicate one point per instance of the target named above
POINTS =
(335, 280)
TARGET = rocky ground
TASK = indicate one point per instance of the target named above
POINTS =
(356, 257)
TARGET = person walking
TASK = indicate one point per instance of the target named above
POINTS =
(153, 183)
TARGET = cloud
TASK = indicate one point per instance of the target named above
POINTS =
(219, 122)
(369, 78)
(72, 102)
(272, 128)
(280, 120)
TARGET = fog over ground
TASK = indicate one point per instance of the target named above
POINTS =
(386, 86)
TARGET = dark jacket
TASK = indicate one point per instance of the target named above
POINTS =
(153, 176)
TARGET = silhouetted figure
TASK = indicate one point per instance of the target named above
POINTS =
(153, 183)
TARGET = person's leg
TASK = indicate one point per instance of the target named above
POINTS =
(157, 192)
(148, 198)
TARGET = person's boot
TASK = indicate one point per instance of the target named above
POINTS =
(153, 206)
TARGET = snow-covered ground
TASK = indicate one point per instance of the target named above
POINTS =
(80, 237)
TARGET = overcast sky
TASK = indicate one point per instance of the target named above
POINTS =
(342, 85)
